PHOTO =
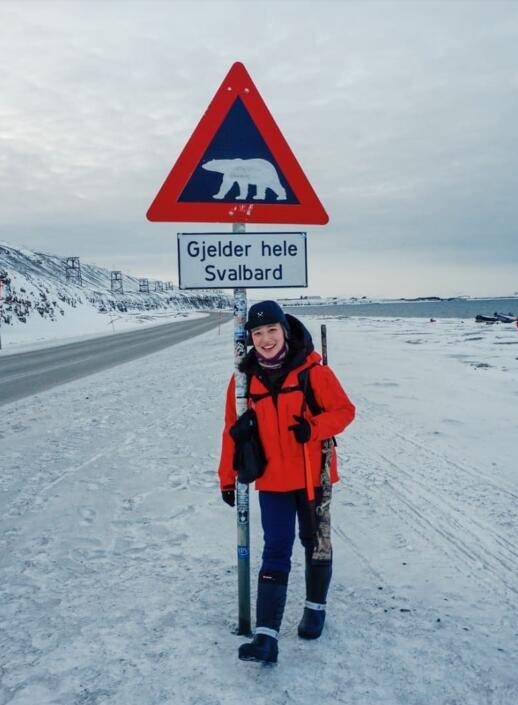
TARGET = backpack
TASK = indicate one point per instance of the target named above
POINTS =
(304, 385)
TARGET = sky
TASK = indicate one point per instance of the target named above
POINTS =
(401, 114)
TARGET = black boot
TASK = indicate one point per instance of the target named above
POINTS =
(271, 598)
(318, 577)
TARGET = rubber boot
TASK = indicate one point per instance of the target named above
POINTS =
(318, 577)
(271, 599)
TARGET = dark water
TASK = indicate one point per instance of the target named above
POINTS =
(458, 308)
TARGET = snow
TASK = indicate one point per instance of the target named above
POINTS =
(118, 555)
(83, 323)
(39, 308)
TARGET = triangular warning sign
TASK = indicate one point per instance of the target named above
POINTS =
(237, 167)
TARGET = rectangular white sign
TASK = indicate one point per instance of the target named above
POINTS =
(249, 260)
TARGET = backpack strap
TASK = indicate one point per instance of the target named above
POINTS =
(304, 386)
(257, 397)
(309, 395)
(310, 400)
(253, 398)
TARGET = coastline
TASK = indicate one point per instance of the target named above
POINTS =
(445, 308)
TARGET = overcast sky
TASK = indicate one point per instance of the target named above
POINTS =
(403, 115)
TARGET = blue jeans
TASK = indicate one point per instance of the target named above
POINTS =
(278, 512)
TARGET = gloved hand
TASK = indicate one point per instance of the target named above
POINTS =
(301, 429)
(228, 495)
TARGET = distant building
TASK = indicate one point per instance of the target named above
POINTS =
(302, 301)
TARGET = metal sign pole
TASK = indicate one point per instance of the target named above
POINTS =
(243, 525)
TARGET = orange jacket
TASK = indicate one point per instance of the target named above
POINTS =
(285, 456)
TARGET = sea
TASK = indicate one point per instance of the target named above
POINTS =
(445, 308)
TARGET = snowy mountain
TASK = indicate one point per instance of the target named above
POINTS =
(39, 303)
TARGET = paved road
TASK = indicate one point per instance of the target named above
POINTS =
(31, 372)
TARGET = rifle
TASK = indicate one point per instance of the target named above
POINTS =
(323, 550)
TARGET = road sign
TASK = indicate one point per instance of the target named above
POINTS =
(253, 260)
(237, 167)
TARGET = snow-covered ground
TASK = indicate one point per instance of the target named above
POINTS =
(118, 578)
(39, 307)
(40, 334)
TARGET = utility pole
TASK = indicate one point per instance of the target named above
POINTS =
(116, 282)
(73, 270)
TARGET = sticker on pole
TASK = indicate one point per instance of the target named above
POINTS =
(237, 167)
(255, 260)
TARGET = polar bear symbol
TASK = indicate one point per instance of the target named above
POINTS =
(246, 172)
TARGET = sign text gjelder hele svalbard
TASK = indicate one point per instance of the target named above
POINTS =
(253, 260)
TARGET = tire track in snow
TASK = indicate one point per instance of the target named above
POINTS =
(507, 546)
(503, 488)
(474, 555)
(356, 550)
(432, 470)
(27, 498)
(476, 473)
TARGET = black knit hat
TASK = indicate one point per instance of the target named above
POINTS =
(266, 312)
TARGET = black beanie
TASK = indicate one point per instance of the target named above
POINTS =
(266, 312)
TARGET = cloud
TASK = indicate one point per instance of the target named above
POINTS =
(403, 116)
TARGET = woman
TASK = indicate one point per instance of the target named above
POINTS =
(282, 349)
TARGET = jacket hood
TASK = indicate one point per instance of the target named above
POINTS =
(300, 346)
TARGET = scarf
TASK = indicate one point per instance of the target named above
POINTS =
(273, 363)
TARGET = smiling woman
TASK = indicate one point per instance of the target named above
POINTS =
(269, 341)
(282, 369)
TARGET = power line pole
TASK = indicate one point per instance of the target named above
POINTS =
(116, 283)
(73, 270)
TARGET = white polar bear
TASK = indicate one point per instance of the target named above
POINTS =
(246, 172)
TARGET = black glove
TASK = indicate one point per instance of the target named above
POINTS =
(228, 495)
(302, 429)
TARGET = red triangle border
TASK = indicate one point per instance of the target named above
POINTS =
(167, 208)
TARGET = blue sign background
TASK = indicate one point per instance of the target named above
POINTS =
(237, 137)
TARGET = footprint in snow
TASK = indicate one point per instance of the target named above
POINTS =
(88, 514)
(400, 541)
(175, 481)
(384, 384)
(87, 542)
(92, 486)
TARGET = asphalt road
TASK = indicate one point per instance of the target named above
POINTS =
(31, 372)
